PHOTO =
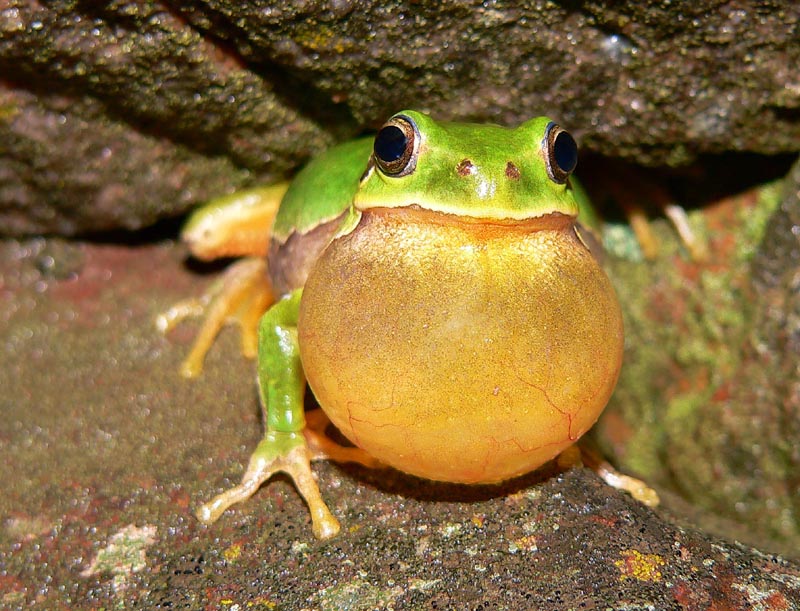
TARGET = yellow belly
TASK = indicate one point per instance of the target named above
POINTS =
(463, 352)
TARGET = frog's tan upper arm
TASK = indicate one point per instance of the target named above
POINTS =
(234, 225)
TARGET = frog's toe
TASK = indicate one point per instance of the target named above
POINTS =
(698, 249)
(569, 458)
(241, 296)
(277, 453)
(635, 487)
(210, 512)
(186, 308)
(323, 522)
(191, 367)
(256, 474)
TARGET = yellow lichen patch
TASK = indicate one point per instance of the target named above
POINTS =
(636, 565)
(320, 37)
(260, 602)
(528, 543)
(232, 553)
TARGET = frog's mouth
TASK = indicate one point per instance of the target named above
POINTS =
(551, 221)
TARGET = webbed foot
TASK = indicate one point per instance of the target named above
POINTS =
(241, 296)
(637, 217)
(277, 452)
(291, 453)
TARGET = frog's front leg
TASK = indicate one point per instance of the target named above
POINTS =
(235, 225)
(284, 447)
(241, 296)
(279, 451)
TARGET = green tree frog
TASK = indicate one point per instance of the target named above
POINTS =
(434, 291)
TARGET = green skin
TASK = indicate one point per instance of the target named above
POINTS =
(336, 182)
(330, 184)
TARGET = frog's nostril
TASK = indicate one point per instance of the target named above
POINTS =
(465, 167)
(512, 171)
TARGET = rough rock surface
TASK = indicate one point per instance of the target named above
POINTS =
(107, 452)
(118, 114)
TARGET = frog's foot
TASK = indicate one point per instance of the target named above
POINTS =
(592, 459)
(637, 218)
(241, 296)
(698, 249)
(629, 195)
(277, 452)
(635, 487)
(323, 447)
(569, 458)
(676, 215)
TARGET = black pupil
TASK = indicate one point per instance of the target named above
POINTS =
(565, 152)
(390, 143)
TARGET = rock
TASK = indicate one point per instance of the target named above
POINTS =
(708, 402)
(107, 448)
(116, 117)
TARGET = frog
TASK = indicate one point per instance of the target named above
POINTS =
(434, 288)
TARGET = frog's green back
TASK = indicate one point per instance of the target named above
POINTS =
(323, 189)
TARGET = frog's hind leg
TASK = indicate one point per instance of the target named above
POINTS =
(658, 196)
(241, 296)
(235, 225)
(628, 193)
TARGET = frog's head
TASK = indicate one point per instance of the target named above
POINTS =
(482, 171)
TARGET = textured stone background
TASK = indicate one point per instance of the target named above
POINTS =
(118, 114)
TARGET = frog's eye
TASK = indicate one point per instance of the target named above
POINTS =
(560, 153)
(396, 146)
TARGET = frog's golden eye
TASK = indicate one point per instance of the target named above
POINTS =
(396, 145)
(560, 153)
